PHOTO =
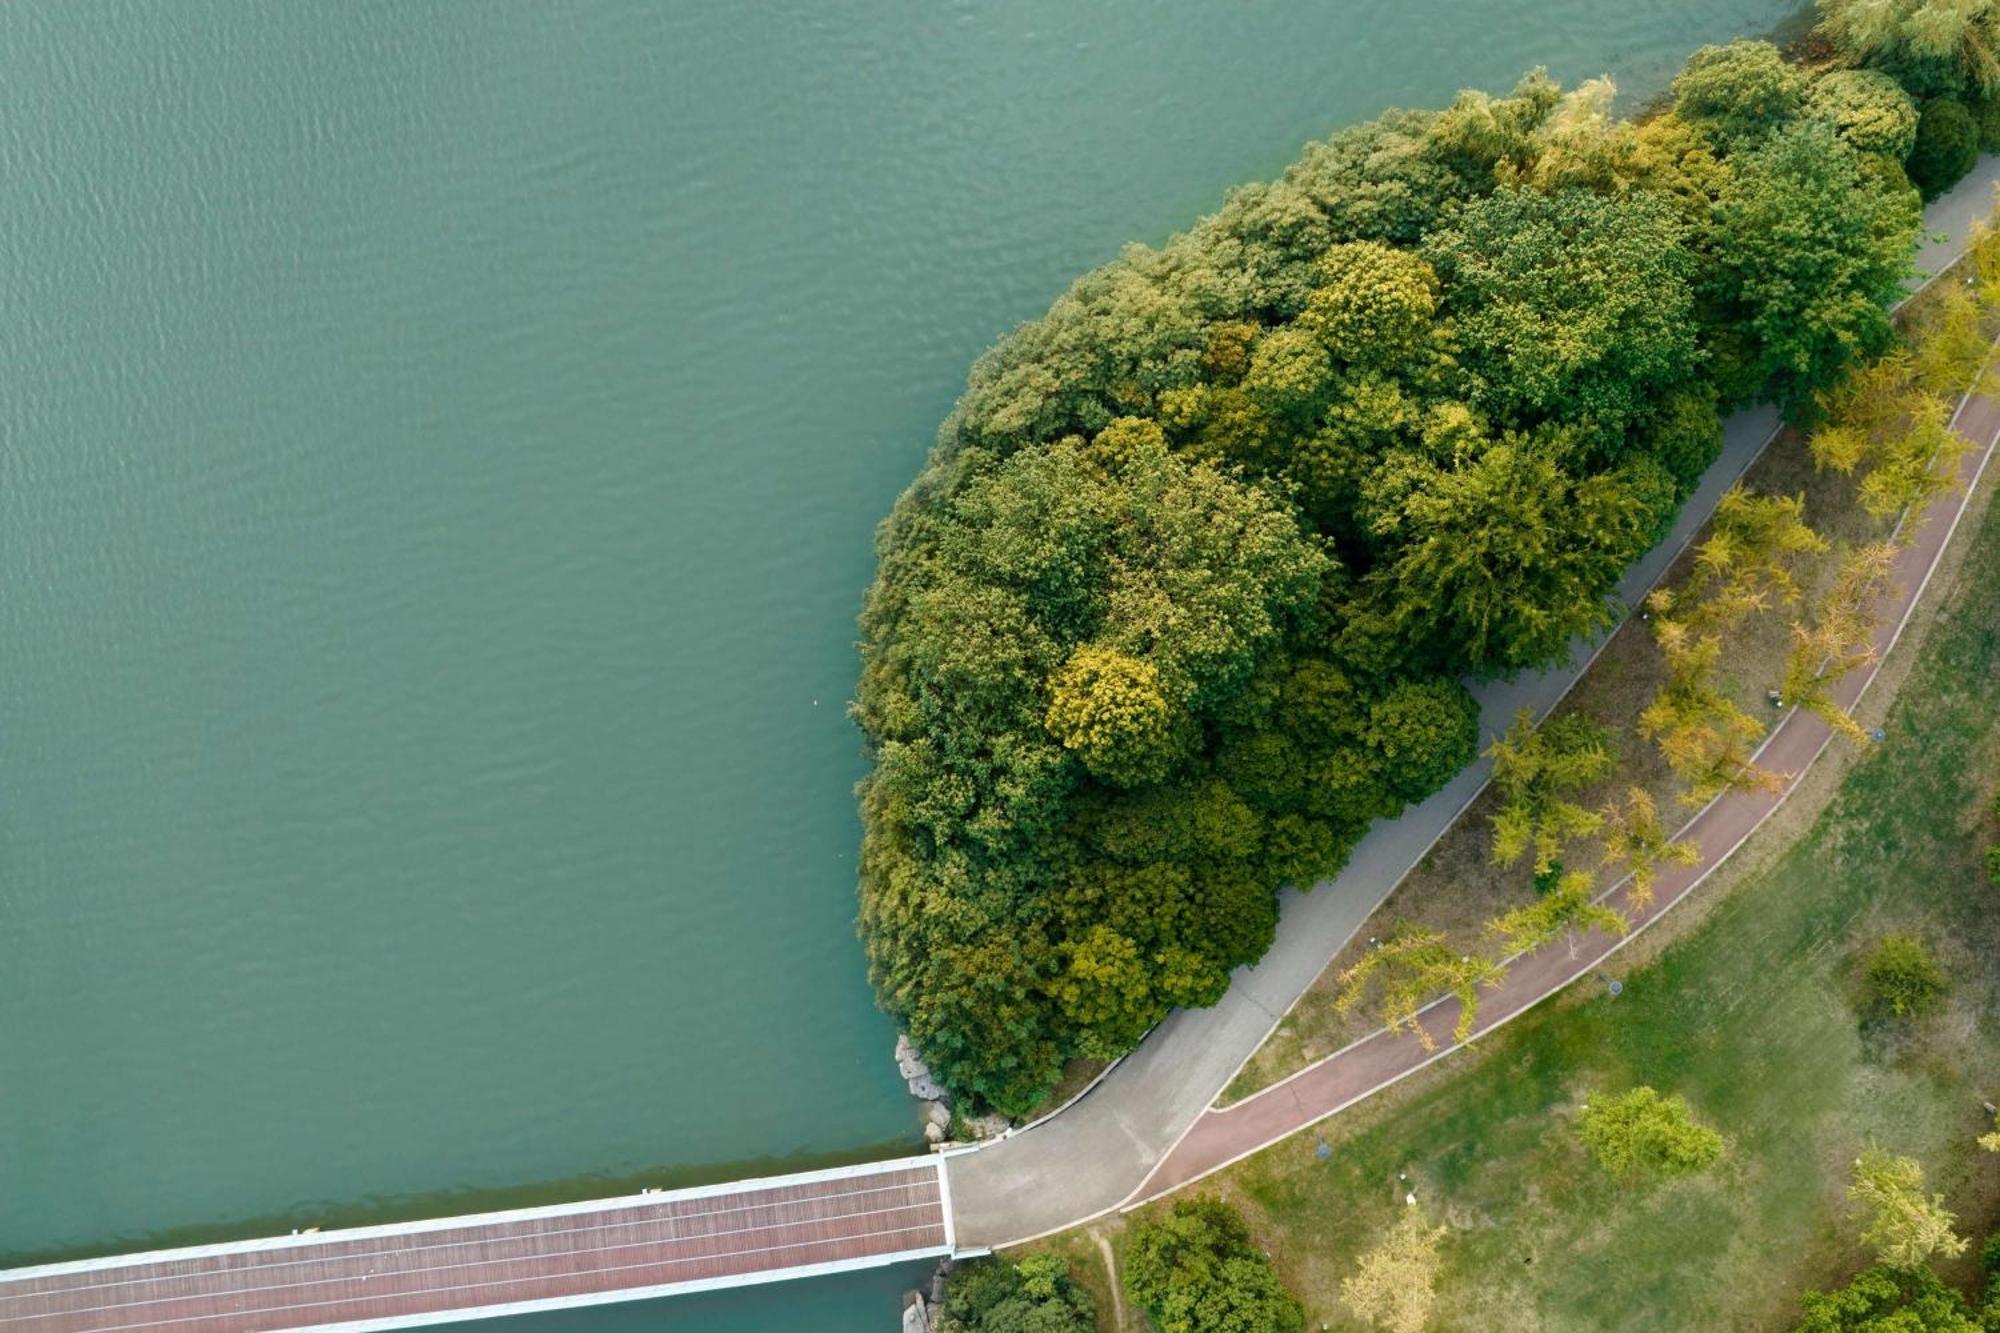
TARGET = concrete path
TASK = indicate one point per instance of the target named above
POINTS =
(1099, 1152)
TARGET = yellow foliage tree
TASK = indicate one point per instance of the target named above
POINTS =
(1567, 908)
(1111, 711)
(1635, 837)
(1839, 637)
(1394, 1286)
(1535, 769)
(1904, 1227)
(1704, 737)
(1407, 971)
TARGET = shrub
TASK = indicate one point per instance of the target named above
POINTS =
(1868, 109)
(1993, 866)
(1196, 1271)
(1641, 1133)
(1904, 978)
(1033, 1296)
(1947, 145)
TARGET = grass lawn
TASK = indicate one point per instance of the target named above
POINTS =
(1750, 1015)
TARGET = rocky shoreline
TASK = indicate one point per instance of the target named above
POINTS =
(941, 1126)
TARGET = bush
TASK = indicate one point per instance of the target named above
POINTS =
(1993, 866)
(1034, 1296)
(1947, 145)
(1868, 109)
(1196, 1271)
(1904, 978)
(1641, 1133)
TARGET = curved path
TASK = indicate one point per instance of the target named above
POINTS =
(1110, 1148)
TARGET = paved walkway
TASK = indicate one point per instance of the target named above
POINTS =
(1095, 1155)
(501, 1263)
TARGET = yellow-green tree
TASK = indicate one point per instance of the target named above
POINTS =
(1394, 1285)
(1536, 769)
(1567, 908)
(1109, 709)
(1749, 560)
(1635, 838)
(1838, 637)
(1407, 971)
(1905, 1227)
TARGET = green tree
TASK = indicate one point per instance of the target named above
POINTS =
(1424, 731)
(1394, 1285)
(1882, 1299)
(1033, 1296)
(1905, 1228)
(1808, 253)
(1903, 977)
(1946, 146)
(1535, 770)
(1196, 1270)
(1640, 1134)
(1410, 969)
(1868, 109)
(1497, 560)
(1740, 91)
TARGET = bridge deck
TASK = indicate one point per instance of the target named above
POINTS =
(496, 1263)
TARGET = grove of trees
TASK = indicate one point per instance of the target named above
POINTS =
(1196, 1270)
(1183, 598)
(1033, 1296)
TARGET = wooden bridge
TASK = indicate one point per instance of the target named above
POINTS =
(654, 1244)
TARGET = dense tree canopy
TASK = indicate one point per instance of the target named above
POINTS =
(1182, 600)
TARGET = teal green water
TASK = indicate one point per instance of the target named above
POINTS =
(438, 451)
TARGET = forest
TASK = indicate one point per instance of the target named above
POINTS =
(1185, 594)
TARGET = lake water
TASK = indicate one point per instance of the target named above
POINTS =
(439, 448)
